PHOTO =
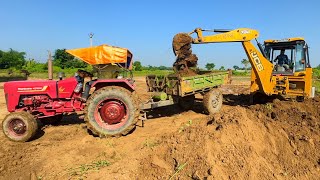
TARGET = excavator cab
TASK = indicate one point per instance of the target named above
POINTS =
(289, 56)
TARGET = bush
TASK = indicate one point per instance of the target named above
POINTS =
(240, 73)
(316, 73)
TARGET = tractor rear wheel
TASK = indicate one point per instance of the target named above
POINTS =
(19, 126)
(111, 111)
(212, 101)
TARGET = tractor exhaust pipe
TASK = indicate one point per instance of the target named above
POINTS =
(50, 67)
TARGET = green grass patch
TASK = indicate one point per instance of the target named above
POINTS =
(241, 73)
(316, 73)
(178, 169)
(85, 168)
(185, 126)
(148, 72)
(150, 143)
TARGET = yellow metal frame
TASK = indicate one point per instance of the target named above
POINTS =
(262, 79)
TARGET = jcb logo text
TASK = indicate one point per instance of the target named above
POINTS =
(257, 61)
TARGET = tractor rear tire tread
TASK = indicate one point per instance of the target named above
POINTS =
(132, 95)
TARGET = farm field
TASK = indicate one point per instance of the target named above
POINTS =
(277, 140)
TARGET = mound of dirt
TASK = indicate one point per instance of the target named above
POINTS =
(181, 45)
(278, 140)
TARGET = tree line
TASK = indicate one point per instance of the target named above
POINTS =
(245, 62)
(137, 66)
(15, 60)
(63, 61)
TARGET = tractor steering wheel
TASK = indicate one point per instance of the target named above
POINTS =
(85, 73)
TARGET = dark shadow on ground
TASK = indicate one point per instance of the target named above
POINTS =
(236, 100)
(65, 121)
(171, 110)
(244, 100)
(38, 135)
(71, 119)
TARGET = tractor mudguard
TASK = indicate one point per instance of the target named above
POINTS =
(125, 83)
(66, 87)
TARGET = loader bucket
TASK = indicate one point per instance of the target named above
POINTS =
(104, 54)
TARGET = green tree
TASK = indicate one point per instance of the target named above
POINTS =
(210, 66)
(12, 59)
(163, 68)
(63, 60)
(33, 66)
(137, 66)
(245, 62)
(222, 68)
(235, 67)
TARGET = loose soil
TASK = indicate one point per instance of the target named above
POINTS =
(185, 60)
(276, 140)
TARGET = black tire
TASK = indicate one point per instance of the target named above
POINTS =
(300, 98)
(187, 102)
(121, 99)
(52, 120)
(19, 126)
(212, 101)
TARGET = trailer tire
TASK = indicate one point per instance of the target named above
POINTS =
(112, 111)
(187, 102)
(19, 126)
(212, 101)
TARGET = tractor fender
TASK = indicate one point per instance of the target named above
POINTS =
(125, 83)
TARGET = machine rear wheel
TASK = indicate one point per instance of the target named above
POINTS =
(19, 126)
(212, 101)
(112, 111)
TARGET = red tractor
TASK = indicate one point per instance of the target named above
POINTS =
(110, 110)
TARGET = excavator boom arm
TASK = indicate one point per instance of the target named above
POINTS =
(237, 35)
(262, 67)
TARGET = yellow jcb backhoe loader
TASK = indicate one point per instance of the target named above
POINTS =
(269, 76)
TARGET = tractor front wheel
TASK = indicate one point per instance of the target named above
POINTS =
(19, 126)
(111, 111)
(212, 101)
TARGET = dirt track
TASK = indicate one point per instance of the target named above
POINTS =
(278, 140)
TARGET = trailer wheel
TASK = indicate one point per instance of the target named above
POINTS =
(52, 120)
(19, 126)
(187, 102)
(212, 101)
(112, 111)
